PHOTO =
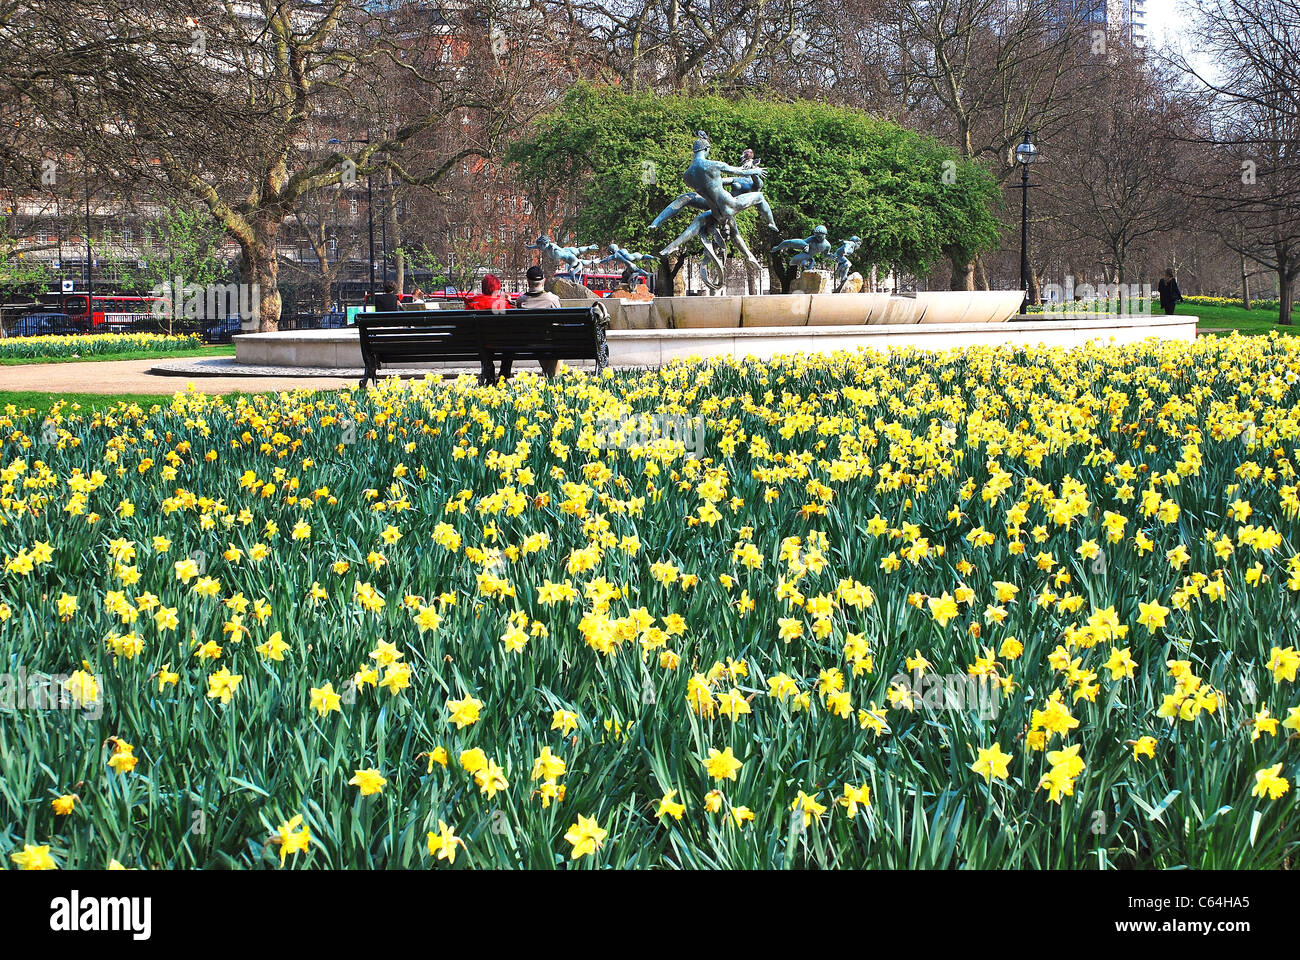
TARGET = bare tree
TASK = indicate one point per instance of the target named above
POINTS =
(329, 236)
(1109, 180)
(225, 104)
(677, 45)
(1252, 179)
(983, 71)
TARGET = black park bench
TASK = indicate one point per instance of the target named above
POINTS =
(415, 336)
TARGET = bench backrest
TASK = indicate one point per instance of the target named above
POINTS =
(567, 333)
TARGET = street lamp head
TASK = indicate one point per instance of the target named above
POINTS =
(1026, 150)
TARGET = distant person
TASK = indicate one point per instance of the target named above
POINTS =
(537, 298)
(1169, 292)
(491, 298)
(388, 300)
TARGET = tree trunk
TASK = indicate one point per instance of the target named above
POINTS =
(753, 276)
(393, 231)
(325, 281)
(666, 275)
(983, 273)
(259, 270)
(663, 279)
(1286, 271)
(963, 274)
(783, 272)
(1245, 284)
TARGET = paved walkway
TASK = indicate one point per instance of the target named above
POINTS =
(133, 376)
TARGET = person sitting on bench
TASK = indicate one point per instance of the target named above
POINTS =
(492, 298)
(388, 299)
(537, 298)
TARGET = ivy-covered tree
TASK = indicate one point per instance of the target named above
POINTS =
(18, 269)
(186, 245)
(185, 249)
(615, 159)
(419, 257)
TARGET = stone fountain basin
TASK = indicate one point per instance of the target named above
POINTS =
(778, 310)
(810, 310)
(837, 309)
(968, 306)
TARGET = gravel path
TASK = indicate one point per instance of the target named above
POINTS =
(133, 376)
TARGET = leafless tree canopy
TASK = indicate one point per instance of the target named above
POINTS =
(1245, 179)
(248, 109)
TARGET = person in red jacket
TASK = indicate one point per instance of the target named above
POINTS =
(494, 299)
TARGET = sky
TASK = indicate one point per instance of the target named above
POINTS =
(1167, 21)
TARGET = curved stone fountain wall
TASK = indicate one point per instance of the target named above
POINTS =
(810, 310)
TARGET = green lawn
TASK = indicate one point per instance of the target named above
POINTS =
(41, 403)
(1217, 317)
(224, 350)
(1257, 320)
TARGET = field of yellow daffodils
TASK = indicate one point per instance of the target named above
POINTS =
(95, 345)
(984, 609)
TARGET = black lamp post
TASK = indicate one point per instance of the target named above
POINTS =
(383, 232)
(370, 215)
(1026, 153)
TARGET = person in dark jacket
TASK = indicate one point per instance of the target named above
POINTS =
(387, 300)
(1169, 292)
(494, 299)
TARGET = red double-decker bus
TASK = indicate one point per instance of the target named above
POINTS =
(112, 313)
(601, 284)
